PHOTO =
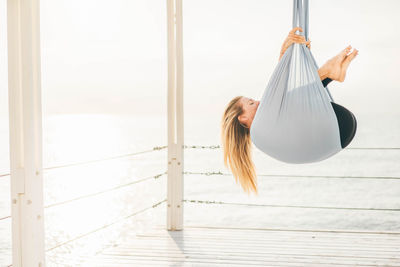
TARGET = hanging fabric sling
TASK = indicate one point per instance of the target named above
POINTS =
(297, 120)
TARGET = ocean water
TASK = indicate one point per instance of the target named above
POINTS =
(73, 138)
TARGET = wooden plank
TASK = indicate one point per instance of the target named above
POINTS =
(362, 241)
(236, 247)
(246, 256)
(261, 235)
(376, 244)
(215, 247)
(216, 229)
(216, 260)
(256, 252)
(274, 245)
(111, 262)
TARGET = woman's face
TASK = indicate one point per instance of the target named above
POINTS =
(249, 110)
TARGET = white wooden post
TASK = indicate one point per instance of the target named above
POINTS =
(25, 118)
(175, 116)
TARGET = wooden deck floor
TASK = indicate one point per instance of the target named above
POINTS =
(204, 246)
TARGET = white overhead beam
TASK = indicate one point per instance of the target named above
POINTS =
(25, 119)
(175, 116)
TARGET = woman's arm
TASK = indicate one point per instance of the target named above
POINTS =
(293, 38)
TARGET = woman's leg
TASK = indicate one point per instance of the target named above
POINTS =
(347, 122)
(326, 81)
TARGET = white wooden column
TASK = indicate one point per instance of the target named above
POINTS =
(175, 116)
(25, 118)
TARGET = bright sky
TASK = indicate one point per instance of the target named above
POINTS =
(110, 56)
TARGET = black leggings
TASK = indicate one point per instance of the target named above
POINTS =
(346, 120)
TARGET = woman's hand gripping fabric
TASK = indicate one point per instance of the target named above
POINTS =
(294, 38)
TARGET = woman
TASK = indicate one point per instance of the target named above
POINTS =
(240, 111)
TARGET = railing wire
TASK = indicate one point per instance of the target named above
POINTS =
(106, 225)
(156, 148)
(286, 206)
(98, 193)
(185, 147)
(109, 158)
(348, 148)
(296, 176)
(6, 217)
(107, 190)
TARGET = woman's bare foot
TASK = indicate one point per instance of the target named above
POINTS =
(336, 62)
(332, 68)
(345, 64)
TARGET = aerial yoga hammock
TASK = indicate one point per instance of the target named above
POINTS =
(297, 120)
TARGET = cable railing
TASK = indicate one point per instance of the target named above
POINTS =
(6, 217)
(298, 176)
(99, 192)
(225, 174)
(106, 190)
(212, 173)
(103, 226)
(348, 148)
(158, 148)
(106, 225)
(286, 206)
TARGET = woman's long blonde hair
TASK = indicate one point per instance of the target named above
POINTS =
(236, 144)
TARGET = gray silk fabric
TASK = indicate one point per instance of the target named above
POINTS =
(295, 121)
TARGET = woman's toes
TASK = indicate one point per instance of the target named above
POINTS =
(344, 53)
(351, 56)
(347, 49)
(346, 63)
